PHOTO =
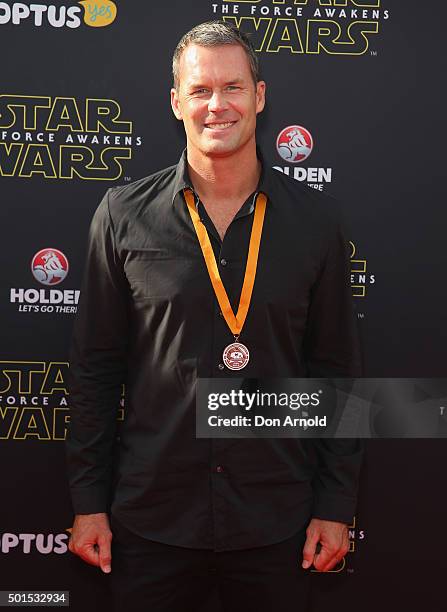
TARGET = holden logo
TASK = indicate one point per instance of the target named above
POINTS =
(294, 144)
(49, 266)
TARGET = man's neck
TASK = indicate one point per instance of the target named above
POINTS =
(229, 178)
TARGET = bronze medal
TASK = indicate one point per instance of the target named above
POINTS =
(236, 356)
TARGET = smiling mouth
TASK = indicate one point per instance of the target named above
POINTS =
(219, 126)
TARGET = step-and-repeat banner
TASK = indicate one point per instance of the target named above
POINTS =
(353, 109)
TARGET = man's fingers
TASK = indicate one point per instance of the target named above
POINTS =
(88, 553)
(105, 554)
(309, 549)
(340, 553)
(327, 558)
(333, 562)
(324, 558)
(97, 554)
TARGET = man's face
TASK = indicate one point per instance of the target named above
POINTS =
(217, 99)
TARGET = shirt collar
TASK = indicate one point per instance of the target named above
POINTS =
(182, 180)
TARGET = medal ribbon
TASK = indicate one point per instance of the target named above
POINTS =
(234, 322)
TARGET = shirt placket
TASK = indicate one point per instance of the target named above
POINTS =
(231, 269)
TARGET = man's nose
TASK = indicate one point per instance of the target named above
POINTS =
(217, 102)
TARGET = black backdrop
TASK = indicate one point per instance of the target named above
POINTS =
(372, 103)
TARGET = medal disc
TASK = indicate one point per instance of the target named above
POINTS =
(236, 356)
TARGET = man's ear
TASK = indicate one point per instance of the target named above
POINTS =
(260, 96)
(175, 104)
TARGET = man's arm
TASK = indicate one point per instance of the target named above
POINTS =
(332, 350)
(331, 346)
(97, 371)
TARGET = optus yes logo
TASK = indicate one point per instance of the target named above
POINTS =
(99, 14)
(96, 14)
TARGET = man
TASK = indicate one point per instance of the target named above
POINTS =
(166, 266)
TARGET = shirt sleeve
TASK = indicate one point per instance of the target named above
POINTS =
(97, 368)
(331, 345)
(332, 350)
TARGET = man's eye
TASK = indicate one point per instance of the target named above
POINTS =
(200, 91)
(232, 87)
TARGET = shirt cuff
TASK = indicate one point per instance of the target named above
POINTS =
(90, 500)
(334, 508)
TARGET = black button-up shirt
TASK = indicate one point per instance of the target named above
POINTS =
(149, 316)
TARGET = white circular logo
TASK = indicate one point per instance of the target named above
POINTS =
(236, 356)
(294, 144)
(49, 266)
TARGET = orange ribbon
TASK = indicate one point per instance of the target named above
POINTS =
(234, 322)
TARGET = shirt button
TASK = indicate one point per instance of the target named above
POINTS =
(223, 262)
(221, 366)
(219, 469)
(220, 313)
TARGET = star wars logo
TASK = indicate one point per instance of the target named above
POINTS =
(33, 400)
(63, 138)
(360, 277)
(334, 27)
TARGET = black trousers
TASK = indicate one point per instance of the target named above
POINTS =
(153, 577)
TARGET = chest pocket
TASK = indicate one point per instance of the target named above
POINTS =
(158, 273)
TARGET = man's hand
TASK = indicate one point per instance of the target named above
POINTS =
(91, 538)
(334, 541)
